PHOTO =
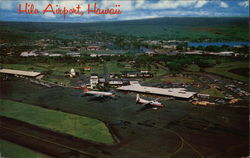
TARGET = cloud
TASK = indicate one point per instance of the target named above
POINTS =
(125, 5)
(244, 4)
(200, 4)
(49, 16)
(7, 5)
(139, 3)
(135, 17)
(223, 5)
(164, 13)
(168, 4)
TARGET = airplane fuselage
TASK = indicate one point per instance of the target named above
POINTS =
(99, 93)
(153, 103)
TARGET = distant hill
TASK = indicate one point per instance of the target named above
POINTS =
(179, 28)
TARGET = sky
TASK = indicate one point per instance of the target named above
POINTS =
(130, 9)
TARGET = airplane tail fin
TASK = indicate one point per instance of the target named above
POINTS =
(137, 97)
(84, 88)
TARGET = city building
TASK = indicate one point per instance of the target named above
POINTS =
(93, 48)
(93, 81)
(115, 82)
(28, 54)
(86, 68)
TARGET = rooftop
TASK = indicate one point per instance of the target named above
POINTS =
(173, 92)
(20, 72)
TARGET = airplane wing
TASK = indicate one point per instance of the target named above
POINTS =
(147, 104)
(99, 95)
(157, 99)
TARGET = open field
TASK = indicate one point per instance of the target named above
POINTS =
(94, 68)
(171, 79)
(43, 140)
(78, 126)
(117, 67)
(224, 70)
(58, 80)
(193, 68)
(11, 150)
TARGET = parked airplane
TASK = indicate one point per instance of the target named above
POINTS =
(86, 91)
(153, 103)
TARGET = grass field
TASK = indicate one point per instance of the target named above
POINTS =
(94, 68)
(78, 126)
(213, 92)
(193, 68)
(117, 67)
(161, 70)
(177, 79)
(61, 81)
(58, 68)
(11, 150)
(224, 68)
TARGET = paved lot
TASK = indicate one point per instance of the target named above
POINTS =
(171, 131)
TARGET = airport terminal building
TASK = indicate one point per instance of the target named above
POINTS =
(180, 93)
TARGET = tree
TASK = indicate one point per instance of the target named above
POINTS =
(174, 66)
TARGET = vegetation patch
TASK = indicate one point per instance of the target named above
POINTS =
(225, 68)
(241, 71)
(117, 67)
(213, 92)
(193, 68)
(75, 125)
(12, 150)
(94, 68)
(177, 79)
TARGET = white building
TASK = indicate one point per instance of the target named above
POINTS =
(221, 53)
(28, 54)
(149, 52)
(205, 96)
(72, 73)
(144, 71)
(169, 46)
(94, 81)
(115, 82)
(93, 55)
(229, 53)
(44, 54)
(55, 55)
